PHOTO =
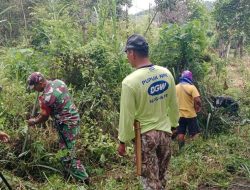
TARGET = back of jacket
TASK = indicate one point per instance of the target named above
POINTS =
(149, 96)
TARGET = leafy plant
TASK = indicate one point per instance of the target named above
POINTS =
(182, 47)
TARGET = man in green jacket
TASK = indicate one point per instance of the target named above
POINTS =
(148, 96)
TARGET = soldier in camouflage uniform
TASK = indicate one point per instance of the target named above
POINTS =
(55, 101)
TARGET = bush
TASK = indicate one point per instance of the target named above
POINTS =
(182, 47)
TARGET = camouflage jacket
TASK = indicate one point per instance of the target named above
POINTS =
(57, 100)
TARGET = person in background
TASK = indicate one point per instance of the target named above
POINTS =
(148, 95)
(189, 104)
(56, 101)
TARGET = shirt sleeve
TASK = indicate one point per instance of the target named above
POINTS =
(173, 111)
(127, 114)
(195, 92)
(49, 99)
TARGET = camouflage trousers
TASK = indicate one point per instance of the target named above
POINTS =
(156, 153)
(67, 140)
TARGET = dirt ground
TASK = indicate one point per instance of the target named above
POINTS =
(237, 184)
(240, 184)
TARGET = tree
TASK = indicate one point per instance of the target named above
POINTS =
(172, 11)
(232, 23)
(180, 11)
(181, 47)
(18, 19)
(15, 20)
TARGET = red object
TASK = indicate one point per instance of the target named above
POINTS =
(45, 110)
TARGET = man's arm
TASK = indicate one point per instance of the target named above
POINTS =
(197, 104)
(173, 110)
(127, 115)
(197, 99)
(39, 119)
(43, 116)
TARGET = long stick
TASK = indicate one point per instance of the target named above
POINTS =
(207, 125)
(5, 181)
(32, 115)
(138, 147)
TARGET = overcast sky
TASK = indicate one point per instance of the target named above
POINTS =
(140, 5)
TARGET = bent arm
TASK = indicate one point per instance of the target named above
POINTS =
(39, 119)
(197, 104)
(43, 116)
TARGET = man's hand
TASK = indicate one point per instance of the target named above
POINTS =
(122, 149)
(173, 129)
(4, 137)
(39, 119)
(31, 121)
(174, 132)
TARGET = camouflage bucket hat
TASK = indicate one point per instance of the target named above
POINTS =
(34, 79)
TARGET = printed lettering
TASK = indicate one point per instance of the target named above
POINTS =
(161, 97)
(158, 88)
(163, 75)
(148, 80)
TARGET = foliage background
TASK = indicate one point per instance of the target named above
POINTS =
(82, 42)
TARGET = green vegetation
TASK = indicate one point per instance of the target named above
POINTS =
(81, 42)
